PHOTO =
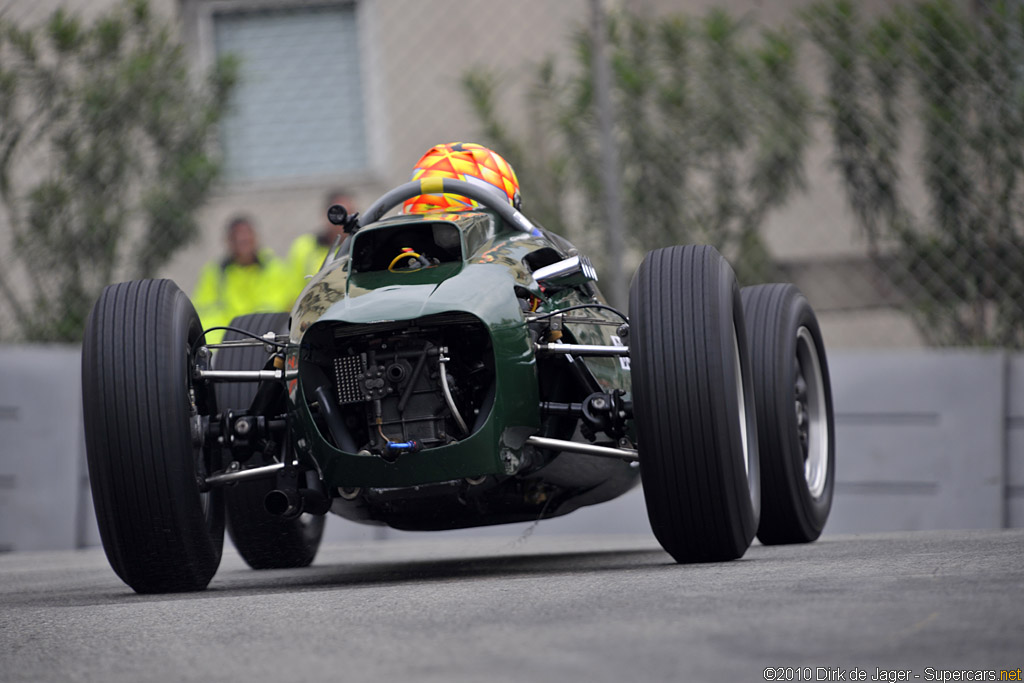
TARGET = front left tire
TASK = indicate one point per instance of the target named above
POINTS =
(160, 532)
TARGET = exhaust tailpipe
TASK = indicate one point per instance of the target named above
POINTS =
(289, 504)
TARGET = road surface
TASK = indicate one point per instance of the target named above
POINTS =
(612, 608)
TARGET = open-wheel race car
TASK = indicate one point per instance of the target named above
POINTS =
(455, 370)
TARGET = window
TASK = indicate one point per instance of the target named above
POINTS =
(298, 108)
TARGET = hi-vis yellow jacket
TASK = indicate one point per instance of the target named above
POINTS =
(226, 290)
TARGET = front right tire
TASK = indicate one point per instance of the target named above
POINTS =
(693, 404)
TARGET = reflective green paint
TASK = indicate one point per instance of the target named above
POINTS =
(482, 285)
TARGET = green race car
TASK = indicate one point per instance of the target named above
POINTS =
(453, 370)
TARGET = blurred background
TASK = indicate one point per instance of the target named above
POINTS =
(870, 152)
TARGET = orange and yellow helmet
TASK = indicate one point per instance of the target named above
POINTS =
(466, 161)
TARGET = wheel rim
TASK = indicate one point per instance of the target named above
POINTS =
(742, 398)
(811, 412)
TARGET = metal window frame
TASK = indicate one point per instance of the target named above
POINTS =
(199, 17)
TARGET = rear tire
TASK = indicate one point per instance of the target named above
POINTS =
(159, 532)
(693, 404)
(797, 438)
(263, 540)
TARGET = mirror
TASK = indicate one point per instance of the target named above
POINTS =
(570, 272)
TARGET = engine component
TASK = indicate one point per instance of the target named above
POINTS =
(402, 388)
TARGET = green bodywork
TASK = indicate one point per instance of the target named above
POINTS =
(482, 284)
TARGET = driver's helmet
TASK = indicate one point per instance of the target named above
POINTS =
(466, 161)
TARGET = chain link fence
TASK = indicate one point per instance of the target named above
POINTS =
(869, 152)
(925, 109)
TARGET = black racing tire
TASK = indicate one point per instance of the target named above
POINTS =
(263, 540)
(160, 533)
(693, 404)
(796, 437)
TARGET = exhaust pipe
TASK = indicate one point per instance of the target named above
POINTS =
(335, 424)
(290, 503)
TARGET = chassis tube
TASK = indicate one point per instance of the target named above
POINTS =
(583, 349)
(244, 475)
(244, 375)
(584, 448)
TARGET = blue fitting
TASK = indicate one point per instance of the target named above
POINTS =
(403, 446)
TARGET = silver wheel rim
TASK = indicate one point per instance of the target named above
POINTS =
(742, 398)
(811, 412)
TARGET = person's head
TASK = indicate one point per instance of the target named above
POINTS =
(243, 245)
(466, 161)
(336, 195)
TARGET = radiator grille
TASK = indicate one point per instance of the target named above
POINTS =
(347, 379)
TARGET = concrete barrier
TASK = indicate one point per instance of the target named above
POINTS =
(44, 486)
(928, 440)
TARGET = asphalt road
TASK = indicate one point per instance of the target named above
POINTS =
(534, 609)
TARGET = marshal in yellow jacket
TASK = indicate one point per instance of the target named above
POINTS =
(227, 289)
